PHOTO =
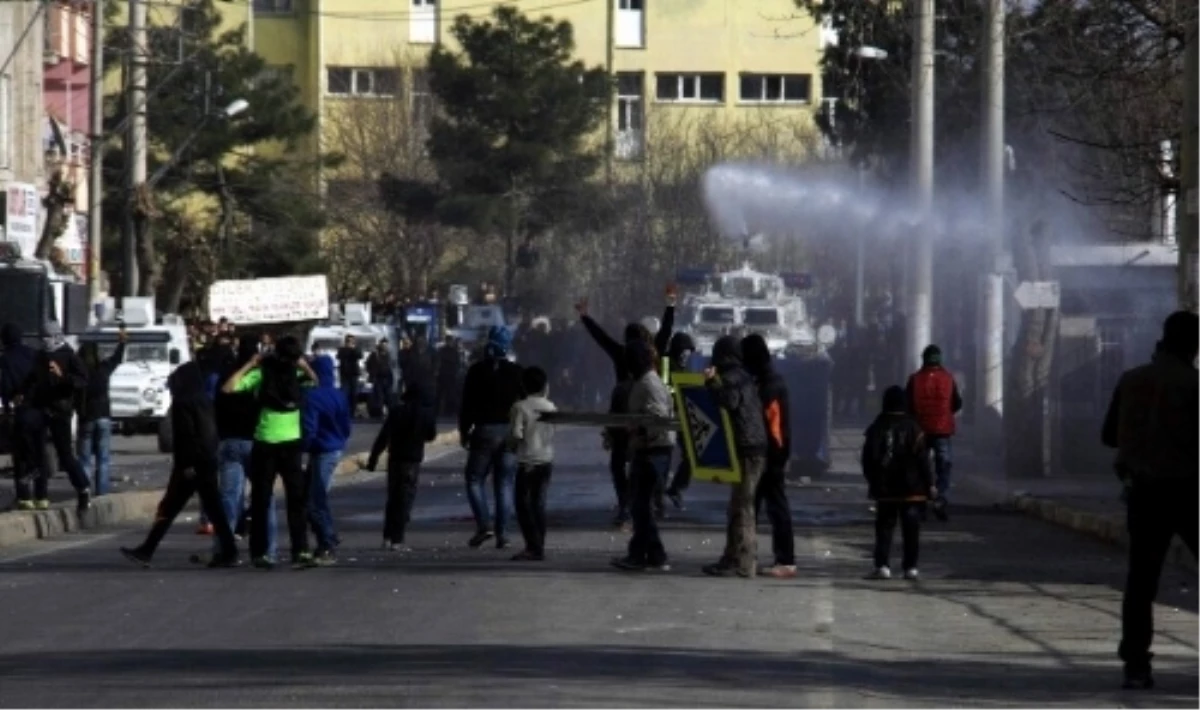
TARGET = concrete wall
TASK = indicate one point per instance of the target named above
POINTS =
(21, 157)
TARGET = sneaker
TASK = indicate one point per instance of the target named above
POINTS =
(719, 569)
(25, 505)
(628, 564)
(911, 574)
(882, 572)
(324, 558)
(83, 501)
(528, 556)
(42, 504)
(224, 562)
(779, 571)
(501, 543)
(479, 538)
(657, 566)
(304, 560)
(1138, 679)
(263, 563)
(204, 529)
(135, 554)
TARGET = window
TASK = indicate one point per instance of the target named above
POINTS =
(706, 88)
(422, 22)
(424, 3)
(354, 81)
(422, 101)
(629, 30)
(776, 88)
(272, 7)
(760, 317)
(634, 5)
(717, 315)
(6, 119)
(630, 115)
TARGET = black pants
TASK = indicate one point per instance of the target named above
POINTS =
(29, 455)
(180, 488)
(402, 479)
(772, 492)
(618, 467)
(909, 515)
(530, 500)
(1156, 514)
(646, 474)
(350, 389)
(266, 462)
(58, 428)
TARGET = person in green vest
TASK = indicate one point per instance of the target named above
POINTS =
(276, 380)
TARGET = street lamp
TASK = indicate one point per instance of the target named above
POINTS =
(865, 53)
(237, 106)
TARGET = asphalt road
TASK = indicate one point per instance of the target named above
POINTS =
(1009, 611)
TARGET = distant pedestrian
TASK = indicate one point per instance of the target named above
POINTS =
(534, 441)
(349, 360)
(737, 394)
(326, 426)
(1153, 423)
(382, 379)
(93, 427)
(933, 400)
(895, 461)
(409, 426)
(193, 469)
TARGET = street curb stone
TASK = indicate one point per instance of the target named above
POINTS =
(18, 526)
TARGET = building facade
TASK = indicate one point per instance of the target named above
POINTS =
(22, 157)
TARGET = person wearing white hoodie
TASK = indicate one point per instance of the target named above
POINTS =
(534, 443)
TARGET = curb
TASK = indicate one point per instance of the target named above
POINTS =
(17, 527)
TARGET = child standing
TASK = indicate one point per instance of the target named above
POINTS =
(895, 462)
(534, 442)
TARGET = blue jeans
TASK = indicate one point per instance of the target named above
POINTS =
(489, 454)
(94, 443)
(320, 517)
(940, 445)
(234, 457)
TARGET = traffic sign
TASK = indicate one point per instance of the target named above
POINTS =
(1037, 294)
(706, 430)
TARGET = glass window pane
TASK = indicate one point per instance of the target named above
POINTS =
(387, 82)
(667, 88)
(751, 88)
(688, 88)
(773, 87)
(629, 84)
(797, 87)
(338, 80)
(635, 115)
(712, 87)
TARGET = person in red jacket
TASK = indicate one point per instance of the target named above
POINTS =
(933, 400)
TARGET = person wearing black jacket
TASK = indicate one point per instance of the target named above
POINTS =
(15, 366)
(94, 427)
(772, 487)
(618, 440)
(51, 389)
(408, 428)
(492, 387)
(193, 469)
(349, 360)
(736, 392)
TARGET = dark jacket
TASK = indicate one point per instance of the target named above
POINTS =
(193, 421)
(736, 393)
(94, 403)
(773, 393)
(349, 362)
(1152, 422)
(895, 459)
(491, 388)
(680, 343)
(325, 419)
(408, 427)
(616, 350)
(237, 412)
(16, 364)
(56, 394)
(379, 367)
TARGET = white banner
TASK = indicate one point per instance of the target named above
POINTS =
(275, 300)
(21, 218)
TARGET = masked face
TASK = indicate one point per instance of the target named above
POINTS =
(50, 342)
(685, 356)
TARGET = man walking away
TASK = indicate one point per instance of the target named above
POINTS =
(492, 387)
(52, 388)
(408, 428)
(193, 470)
(1152, 422)
(933, 399)
(735, 392)
(326, 427)
(651, 460)
(16, 365)
(349, 359)
(94, 425)
(895, 463)
(276, 381)
(772, 487)
(534, 440)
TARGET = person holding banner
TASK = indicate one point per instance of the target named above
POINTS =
(736, 392)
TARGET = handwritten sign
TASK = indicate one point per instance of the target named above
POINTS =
(275, 300)
(21, 219)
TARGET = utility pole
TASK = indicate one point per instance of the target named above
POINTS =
(921, 300)
(135, 141)
(989, 405)
(96, 150)
(1185, 202)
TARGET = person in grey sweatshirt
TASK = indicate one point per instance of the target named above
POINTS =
(652, 450)
(534, 444)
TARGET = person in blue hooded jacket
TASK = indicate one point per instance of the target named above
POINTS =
(326, 426)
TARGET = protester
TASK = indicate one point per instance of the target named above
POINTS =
(193, 469)
(94, 413)
(326, 426)
(349, 362)
(534, 443)
(895, 462)
(276, 382)
(679, 354)
(409, 426)
(651, 450)
(16, 366)
(1152, 422)
(933, 399)
(382, 379)
(56, 381)
(492, 387)
(735, 392)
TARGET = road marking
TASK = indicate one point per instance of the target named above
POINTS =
(822, 696)
(54, 546)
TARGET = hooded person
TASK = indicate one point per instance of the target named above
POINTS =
(409, 426)
(736, 393)
(772, 487)
(16, 366)
(896, 465)
(94, 409)
(491, 388)
(326, 423)
(933, 400)
(193, 468)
